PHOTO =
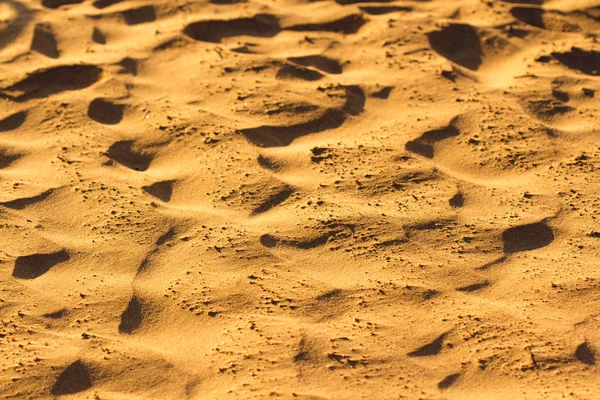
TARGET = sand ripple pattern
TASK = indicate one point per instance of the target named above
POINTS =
(316, 200)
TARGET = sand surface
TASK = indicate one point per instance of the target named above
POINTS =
(299, 199)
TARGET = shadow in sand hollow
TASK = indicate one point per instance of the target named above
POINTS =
(14, 28)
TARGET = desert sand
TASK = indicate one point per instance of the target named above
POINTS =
(299, 199)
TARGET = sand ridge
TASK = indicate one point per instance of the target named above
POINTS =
(299, 199)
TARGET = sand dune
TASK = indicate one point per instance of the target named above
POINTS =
(299, 199)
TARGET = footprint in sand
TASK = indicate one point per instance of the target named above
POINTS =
(140, 15)
(459, 43)
(532, 2)
(260, 25)
(527, 237)
(59, 3)
(161, 190)
(554, 20)
(474, 287)
(266, 25)
(35, 265)
(271, 241)
(278, 196)
(56, 314)
(381, 10)
(105, 111)
(21, 203)
(346, 25)
(457, 201)
(279, 136)
(259, 195)
(470, 47)
(75, 378)
(46, 82)
(430, 349)
(269, 163)
(298, 72)
(129, 66)
(585, 354)
(131, 318)
(129, 155)
(383, 93)
(448, 381)
(581, 60)
(8, 157)
(322, 63)
(14, 18)
(13, 121)
(98, 36)
(105, 3)
(424, 145)
(44, 41)
(548, 110)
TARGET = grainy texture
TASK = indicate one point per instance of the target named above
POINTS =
(299, 199)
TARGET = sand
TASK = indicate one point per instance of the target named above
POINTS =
(299, 199)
